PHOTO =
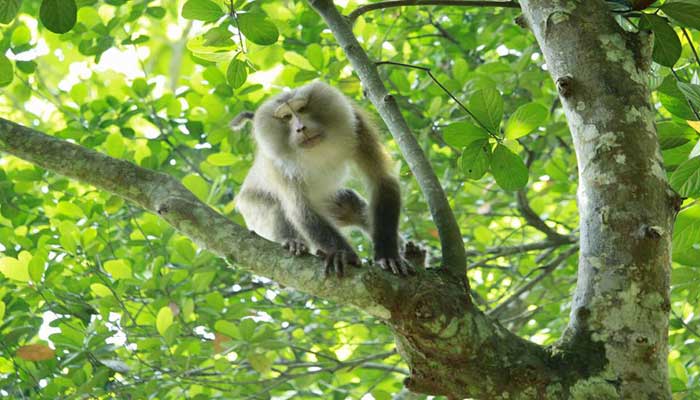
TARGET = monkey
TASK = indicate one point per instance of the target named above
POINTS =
(307, 140)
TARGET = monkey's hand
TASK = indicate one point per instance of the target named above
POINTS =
(338, 260)
(295, 246)
(397, 265)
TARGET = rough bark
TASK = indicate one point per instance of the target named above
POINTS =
(625, 203)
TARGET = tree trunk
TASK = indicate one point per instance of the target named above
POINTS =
(626, 206)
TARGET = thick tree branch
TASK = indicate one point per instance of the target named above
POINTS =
(454, 3)
(166, 196)
(453, 255)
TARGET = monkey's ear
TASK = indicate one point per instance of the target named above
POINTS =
(237, 123)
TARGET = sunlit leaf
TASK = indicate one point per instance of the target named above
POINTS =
(258, 28)
(487, 106)
(525, 119)
(202, 10)
(164, 320)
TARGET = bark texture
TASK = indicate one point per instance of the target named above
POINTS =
(625, 203)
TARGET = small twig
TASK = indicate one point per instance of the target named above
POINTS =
(444, 89)
(523, 248)
(400, 3)
(546, 270)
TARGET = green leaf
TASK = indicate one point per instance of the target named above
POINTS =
(100, 290)
(8, 10)
(197, 185)
(202, 10)
(691, 92)
(69, 210)
(476, 158)
(21, 35)
(314, 53)
(164, 320)
(6, 71)
(119, 269)
(686, 237)
(667, 46)
(259, 362)
(115, 145)
(687, 14)
(221, 159)
(686, 179)
(508, 169)
(461, 134)
(525, 119)
(16, 268)
(227, 328)
(58, 16)
(156, 12)
(487, 106)
(672, 135)
(236, 73)
(37, 266)
(258, 28)
(298, 60)
(2, 311)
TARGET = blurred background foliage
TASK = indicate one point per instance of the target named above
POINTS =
(99, 299)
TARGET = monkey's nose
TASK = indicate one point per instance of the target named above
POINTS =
(301, 128)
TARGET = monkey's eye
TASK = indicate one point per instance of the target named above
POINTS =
(302, 109)
(287, 117)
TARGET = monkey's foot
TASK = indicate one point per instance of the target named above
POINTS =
(397, 266)
(415, 254)
(338, 261)
(296, 247)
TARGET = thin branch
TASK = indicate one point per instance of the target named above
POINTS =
(692, 46)
(502, 251)
(400, 3)
(546, 271)
(453, 255)
(444, 89)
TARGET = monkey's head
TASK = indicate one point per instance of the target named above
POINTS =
(312, 119)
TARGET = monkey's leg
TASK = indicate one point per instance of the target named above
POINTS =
(349, 209)
(316, 229)
(386, 206)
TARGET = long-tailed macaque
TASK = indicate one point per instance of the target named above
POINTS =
(307, 140)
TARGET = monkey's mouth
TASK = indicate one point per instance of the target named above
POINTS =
(311, 141)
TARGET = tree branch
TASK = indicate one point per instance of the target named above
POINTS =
(523, 248)
(534, 220)
(167, 197)
(400, 3)
(453, 254)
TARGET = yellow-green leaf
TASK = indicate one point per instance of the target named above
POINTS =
(15, 269)
(100, 290)
(119, 268)
(164, 320)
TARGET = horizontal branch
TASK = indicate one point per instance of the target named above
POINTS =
(454, 3)
(167, 197)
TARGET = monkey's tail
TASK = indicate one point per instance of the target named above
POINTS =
(240, 120)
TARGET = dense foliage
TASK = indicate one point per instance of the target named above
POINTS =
(100, 299)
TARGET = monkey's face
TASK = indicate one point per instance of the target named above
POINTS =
(304, 128)
(312, 119)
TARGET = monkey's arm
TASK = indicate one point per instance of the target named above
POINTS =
(385, 201)
(349, 209)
